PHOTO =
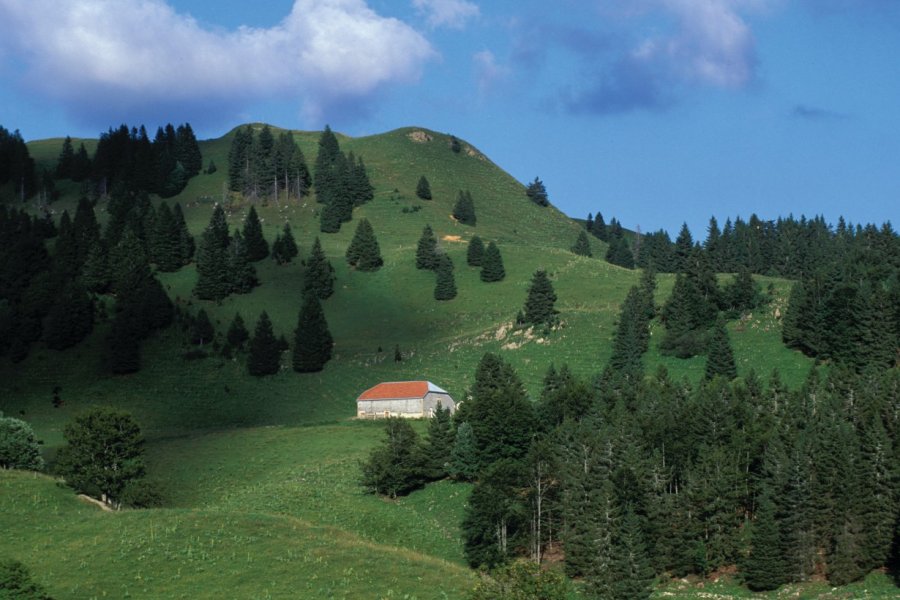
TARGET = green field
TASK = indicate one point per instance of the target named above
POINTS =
(259, 475)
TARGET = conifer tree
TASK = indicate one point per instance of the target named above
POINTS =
(540, 304)
(426, 250)
(464, 456)
(475, 252)
(265, 356)
(214, 278)
(312, 340)
(319, 278)
(720, 357)
(66, 160)
(237, 334)
(285, 248)
(124, 342)
(684, 246)
(257, 247)
(764, 567)
(363, 252)
(70, 319)
(202, 331)
(423, 189)
(96, 275)
(494, 522)
(445, 286)
(438, 445)
(632, 573)
(537, 193)
(631, 337)
(582, 245)
(241, 274)
(492, 264)
(464, 209)
(395, 467)
(186, 240)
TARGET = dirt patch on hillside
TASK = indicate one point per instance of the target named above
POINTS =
(452, 238)
(419, 137)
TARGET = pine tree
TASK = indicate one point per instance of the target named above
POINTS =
(445, 286)
(582, 245)
(475, 252)
(312, 340)
(319, 278)
(265, 356)
(464, 209)
(423, 189)
(492, 264)
(540, 304)
(285, 248)
(363, 252)
(537, 193)
(720, 357)
(256, 245)
(764, 567)
(426, 250)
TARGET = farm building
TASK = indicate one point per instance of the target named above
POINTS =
(414, 399)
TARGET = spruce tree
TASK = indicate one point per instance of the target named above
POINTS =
(96, 275)
(214, 278)
(494, 523)
(764, 566)
(423, 189)
(319, 278)
(363, 251)
(70, 319)
(537, 193)
(631, 337)
(464, 456)
(202, 331)
(445, 286)
(582, 245)
(395, 467)
(720, 357)
(540, 304)
(475, 252)
(426, 250)
(256, 245)
(265, 356)
(632, 573)
(312, 340)
(242, 274)
(237, 334)
(492, 264)
(66, 160)
(186, 240)
(464, 209)
(438, 445)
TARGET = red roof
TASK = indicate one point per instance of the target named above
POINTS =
(396, 389)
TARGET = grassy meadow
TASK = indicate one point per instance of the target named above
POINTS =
(259, 476)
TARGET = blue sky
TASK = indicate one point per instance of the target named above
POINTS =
(651, 111)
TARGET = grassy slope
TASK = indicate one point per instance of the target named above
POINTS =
(212, 440)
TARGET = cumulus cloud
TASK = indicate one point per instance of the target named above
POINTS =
(447, 13)
(109, 54)
(691, 43)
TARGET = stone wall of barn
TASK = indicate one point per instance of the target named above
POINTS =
(393, 407)
(431, 401)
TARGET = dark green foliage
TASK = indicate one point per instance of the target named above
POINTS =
(742, 294)
(522, 580)
(619, 252)
(632, 337)
(16, 582)
(632, 573)
(764, 567)
(464, 456)
(70, 319)
(16, 165)
(123, 343)
(363, 251)
(684, 247)
(104, 452)
(395, 468)
(495, 520)
(537, 193)
(237, 335)
(475, 252)
(423, 189)
(256, 244)
(445, 285)
(540, 303)
(284, 249)
(186, 240)
(19, 447)
(265, 356)
(165, 240)
(492, 264)
(66, 160)
(563, 397)
(213, 274)
(438, 445)
(464, 209)
(455, 146)
(319, 278)
(239, 159)
(690, 310)
(582, 245)
(312, 340)
(241, 274)
(720, 357)
(426, 250)
(211, 167)
(398, 356)
(202, 331)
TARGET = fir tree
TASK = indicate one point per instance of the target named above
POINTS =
(241, 273)
(445, 286)
(202, 330)
(214, 277)
(684, 246)
(582, 245)
(285, 248)
(363, 252)
(537, 193)
(764, 567)
(494, 521)
(256, 245)
(312, 340)
(464, 456)
(66, 160)
(319, 278)
(395, 467)
(423, 189)
(540, 304)
(720, 357)
(464, 209)
(438, 445)
(492, 264)
(96, 275)
(237, 334)
(426, 250)
(631, 337)
(632, 573)
(186, 240)
(475, 252)
(70, 319)
(264, 357)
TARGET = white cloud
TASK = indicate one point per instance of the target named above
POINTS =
(142, 51)
(447, 13)
(487, 71)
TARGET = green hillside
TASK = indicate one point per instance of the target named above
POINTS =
(268, 467)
